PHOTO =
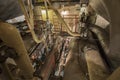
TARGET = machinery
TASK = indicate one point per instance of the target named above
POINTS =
(59, 40)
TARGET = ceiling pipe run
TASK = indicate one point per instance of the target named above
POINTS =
(115, 75)
(103, 37)
(96, 67)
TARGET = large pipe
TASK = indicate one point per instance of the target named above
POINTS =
(11, 36)
(102, 36)
(102, 40)
(62, 20)
(109, 9)
(115, 75)
(96, 67)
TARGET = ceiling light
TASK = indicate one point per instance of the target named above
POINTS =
(64, 13)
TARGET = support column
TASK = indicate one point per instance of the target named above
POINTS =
(12, 38)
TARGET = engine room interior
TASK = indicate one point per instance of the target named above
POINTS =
(59, 40)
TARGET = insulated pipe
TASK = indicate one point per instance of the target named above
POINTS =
(96, 67)
(103, 37)
(30, 21)
(62, 20)
(110, 10)
(115, 75)
(11, 36)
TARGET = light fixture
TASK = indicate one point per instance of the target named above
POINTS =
(63, 13)
(43, 11)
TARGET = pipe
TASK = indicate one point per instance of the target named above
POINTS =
(30, 21)
(115, 75)
(96, 67)
(11, 36)
(103, 44)
(62, 20)
(103, 37)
